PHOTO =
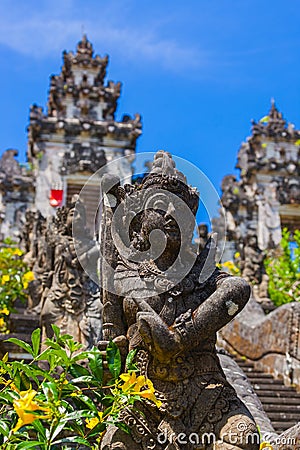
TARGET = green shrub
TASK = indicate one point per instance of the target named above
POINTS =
(283, 271)
(60, 399)
(14, 279)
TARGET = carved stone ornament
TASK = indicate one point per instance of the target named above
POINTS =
(66, 296)
(82, 159)
(171, 317)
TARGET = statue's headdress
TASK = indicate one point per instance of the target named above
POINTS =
(164, 175)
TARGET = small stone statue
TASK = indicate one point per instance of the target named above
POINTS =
(269, 225)
(71, 299)
(252, 266)
(169, 305)
(203, 236)
(9, 166)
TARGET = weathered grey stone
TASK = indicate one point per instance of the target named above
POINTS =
(171, 318)
(270, 341)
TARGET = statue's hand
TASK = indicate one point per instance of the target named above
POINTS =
(159, 339)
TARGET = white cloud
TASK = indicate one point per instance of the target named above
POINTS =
(55, 27)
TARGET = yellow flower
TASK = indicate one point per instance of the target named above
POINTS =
(18, 252)
(5, 278)
(150, 394)
(265, 445)
(237, 255)
(91, 423)
(130, 379)
(25, 406)
(2, 322)
(4, 311)
(134, 384)
(28, 276)
(228, 264)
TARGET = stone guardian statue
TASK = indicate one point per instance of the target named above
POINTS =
(168, 303)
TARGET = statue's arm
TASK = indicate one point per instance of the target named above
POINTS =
(221, 307)
(191, 328)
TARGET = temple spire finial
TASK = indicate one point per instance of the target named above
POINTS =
(274, 113)
(84, 46)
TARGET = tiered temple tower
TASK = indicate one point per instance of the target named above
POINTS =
(266, 198)
(16, 194)
(79, 133)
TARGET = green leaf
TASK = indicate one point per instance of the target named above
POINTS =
(85, 379)
(4, 429)
(8, 396)
(113, 358)
(50, 390)
(107, 400)
(56, 331)
(22, 381)
(130, 365)
(26, 444)
(79, 429)
(59, 427)
(36, 340)
(76, 370)
(59, 353)
(77, 415)
(71, 440)
(86, 401)
(99, 428)
(61, 338)
(21, 344)
(54, 345)
(44, 355)
(96, 364)
(39, 427)
(80, 357)
(25, 368)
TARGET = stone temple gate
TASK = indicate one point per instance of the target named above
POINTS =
(266, 197)
(76, 136)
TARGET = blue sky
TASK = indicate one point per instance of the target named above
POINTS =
(198, 71)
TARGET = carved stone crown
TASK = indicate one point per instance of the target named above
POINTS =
(164, 175)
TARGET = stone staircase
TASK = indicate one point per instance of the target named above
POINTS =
(22, 325)
(281, 403)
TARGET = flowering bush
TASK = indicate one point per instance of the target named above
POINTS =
(283, 270)
(14, 280)
(54, 401)
(230, 266)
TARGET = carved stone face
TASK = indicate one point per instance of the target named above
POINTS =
(169, 216)
(161, 220)
(252, 241)
(70, 217)
(75, 217)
